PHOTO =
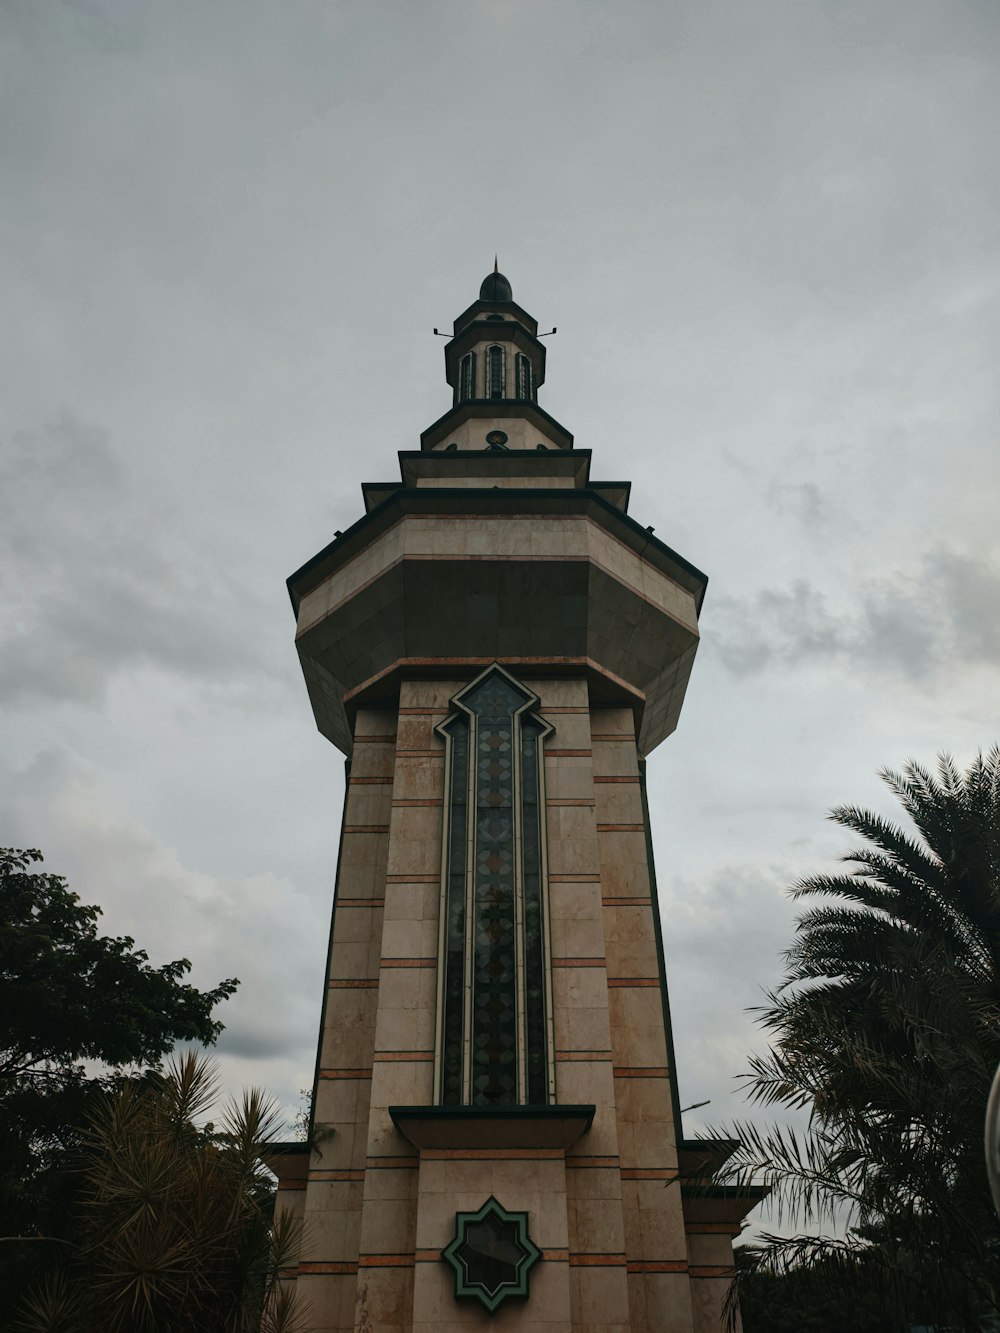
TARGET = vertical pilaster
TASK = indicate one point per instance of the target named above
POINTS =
(659, 1287)
(328, 1268)
(403, 1054)
(710, 1255)
(583, 1048)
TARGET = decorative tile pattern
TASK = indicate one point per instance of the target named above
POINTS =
(494, 947)
(535, 944)
(454, 906)
(491, 1255)
(494, 935)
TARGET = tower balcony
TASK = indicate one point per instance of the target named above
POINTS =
(445, 580)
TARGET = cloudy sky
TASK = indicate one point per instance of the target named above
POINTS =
(768, 233)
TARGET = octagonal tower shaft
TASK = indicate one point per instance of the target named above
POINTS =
(496, 645)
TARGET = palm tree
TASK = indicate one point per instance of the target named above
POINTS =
(176, 1232)
(886, 1030)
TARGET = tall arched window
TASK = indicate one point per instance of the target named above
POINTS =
(467, 377)
(523, 369)
(494, 1045)
(496, 372)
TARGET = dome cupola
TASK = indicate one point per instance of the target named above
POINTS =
(495, 288)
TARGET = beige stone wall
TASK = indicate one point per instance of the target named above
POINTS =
(607, 1211)
(710, 1252)
(499, 480)
(659, 1294)
(483, 536)
(460, 1180)
(403, 1058)
(332, 1204)
(521, 434)
(597, 1272)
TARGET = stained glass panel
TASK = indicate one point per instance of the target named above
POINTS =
(534, 925)
(494, 907)
(454, 987)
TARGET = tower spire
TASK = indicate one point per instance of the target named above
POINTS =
(496, 264)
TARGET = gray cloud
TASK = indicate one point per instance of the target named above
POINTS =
(249, 925)
(90, 592)
(723, 937)
(767, 234)
(940, 617)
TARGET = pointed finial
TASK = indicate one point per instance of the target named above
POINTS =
(496, 265)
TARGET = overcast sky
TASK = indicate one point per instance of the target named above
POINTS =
(768, 233)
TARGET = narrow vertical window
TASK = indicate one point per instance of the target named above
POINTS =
(495, 372)
(524, 386)
(467, 377)
(494, 989)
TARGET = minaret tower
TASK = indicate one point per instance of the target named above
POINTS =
(496, 646)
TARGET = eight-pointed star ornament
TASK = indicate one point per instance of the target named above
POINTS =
(492, 1254)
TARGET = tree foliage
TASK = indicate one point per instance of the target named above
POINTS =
(886, 1030)
(173, 1229)
(70, 994)
(78, 1012)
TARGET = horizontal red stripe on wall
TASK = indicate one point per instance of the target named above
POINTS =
(584, 1055)
(657, 1266)
(492, 1154)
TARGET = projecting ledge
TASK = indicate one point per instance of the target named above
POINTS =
(492, 1126)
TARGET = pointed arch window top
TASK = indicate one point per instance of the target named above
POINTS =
(467, 377)
(496, 371)
(525, 382)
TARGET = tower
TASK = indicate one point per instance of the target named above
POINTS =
(496, 646)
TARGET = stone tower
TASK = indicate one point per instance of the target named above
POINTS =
(496, 646)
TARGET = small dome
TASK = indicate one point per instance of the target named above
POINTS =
(495, 288)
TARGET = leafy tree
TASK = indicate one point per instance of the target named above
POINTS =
(76, 1010)
(886, 1030)
(174, 1229)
